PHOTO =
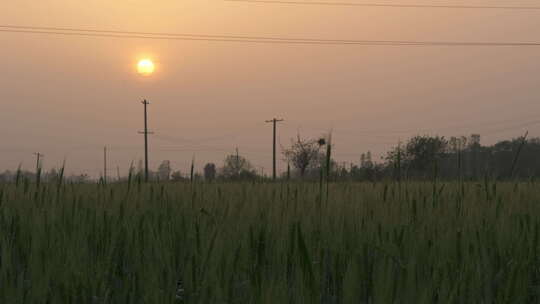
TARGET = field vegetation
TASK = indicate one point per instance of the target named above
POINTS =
(283, 242)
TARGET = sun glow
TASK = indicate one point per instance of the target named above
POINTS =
(146, 67)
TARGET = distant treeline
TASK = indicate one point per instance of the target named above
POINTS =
(429, 157)
(426, 157)
(422, 157)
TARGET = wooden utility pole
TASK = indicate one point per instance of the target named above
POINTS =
(274, 121)
(39, 156)
(105, 164)
(38, 168)
(145, 132)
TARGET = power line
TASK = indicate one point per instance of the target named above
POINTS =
(199, 141)
(265, 40)
(443, 6)
(523, 125)
(511, 124)
(104, 35)
(160, 34)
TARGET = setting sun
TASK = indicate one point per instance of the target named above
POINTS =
(145, 67)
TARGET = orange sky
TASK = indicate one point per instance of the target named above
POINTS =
(70, 96)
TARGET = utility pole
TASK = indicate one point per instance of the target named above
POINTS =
(39, 156)
(38, 168)
(105, 164)
(237, 161)
(274, 122)
(145, 132)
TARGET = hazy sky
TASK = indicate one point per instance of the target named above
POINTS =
(70, 96)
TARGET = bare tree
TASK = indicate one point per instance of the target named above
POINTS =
(237, 167)
(303, 152)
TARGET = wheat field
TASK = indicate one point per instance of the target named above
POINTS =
(270, 243)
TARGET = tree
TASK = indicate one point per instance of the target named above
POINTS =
(420, 154)
(424, 151)
(474, 146)
(176, 176)
(303, 152)
(457, 144)
(366, 161)
(164, 170)
(210, 172)
(474, 140)
(237, 167)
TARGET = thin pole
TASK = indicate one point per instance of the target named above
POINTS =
(237, 160)
(274, 152)
(105, 164)
(38, 169)
(145, 132)
(39, 155)
(274, 121)
(145, 142)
